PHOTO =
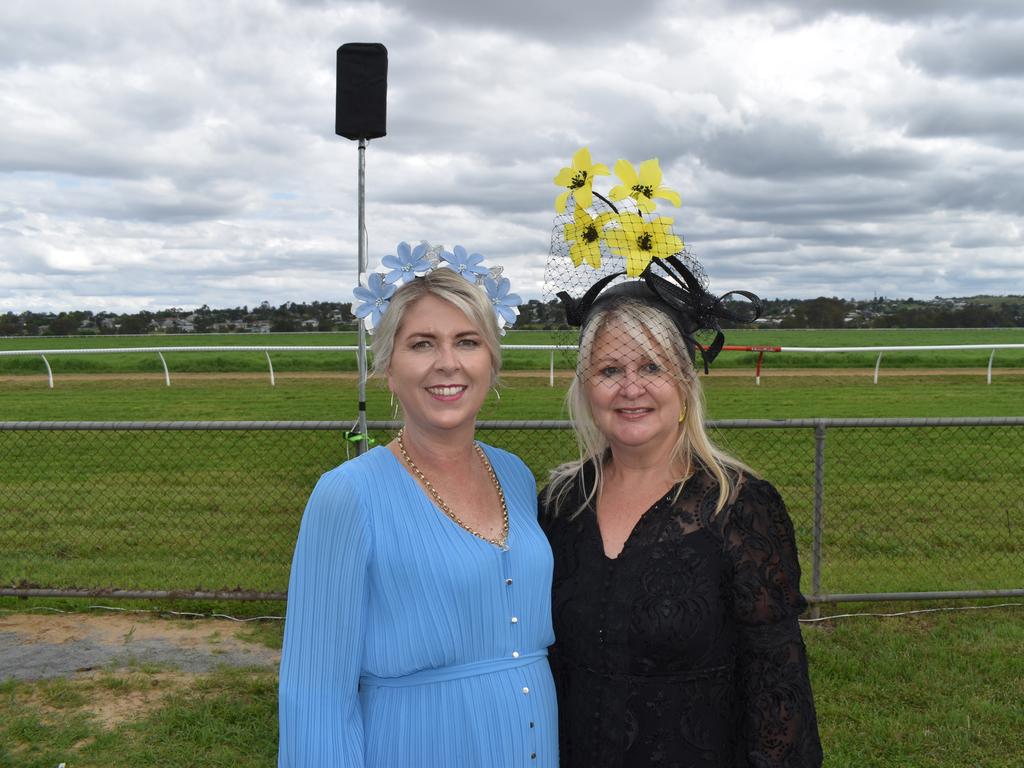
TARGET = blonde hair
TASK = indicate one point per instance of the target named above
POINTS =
(653, 332)
(450, 286)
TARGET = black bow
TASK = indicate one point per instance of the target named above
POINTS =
(691, 306)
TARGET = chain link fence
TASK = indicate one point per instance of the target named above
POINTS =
(883, 509)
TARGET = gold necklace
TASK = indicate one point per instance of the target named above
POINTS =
(501, 542)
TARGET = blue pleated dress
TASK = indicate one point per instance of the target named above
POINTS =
(410, 642)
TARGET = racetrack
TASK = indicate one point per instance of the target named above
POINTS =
(823, 373)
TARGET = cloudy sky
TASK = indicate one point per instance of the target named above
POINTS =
(176, 153)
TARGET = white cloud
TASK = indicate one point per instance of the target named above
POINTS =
(181, 153)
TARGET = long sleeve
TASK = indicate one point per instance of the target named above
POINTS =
(779, 722)
(320, 720)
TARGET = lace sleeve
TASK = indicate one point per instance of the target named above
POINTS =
(780, 726)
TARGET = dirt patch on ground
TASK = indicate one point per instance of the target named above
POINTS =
(140, 695)
(110, 698)
(38, 647)
(118, 668)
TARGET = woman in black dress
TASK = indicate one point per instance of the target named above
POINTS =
(676, 582)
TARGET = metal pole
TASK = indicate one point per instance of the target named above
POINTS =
(167, 374)
(271, 366)
(361, 446)
(819, 508)
(49, 371)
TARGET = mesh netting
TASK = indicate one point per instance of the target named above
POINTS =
(600, 249)
(617, 253)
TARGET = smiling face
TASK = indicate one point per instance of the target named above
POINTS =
(440, 368)
(632, 392)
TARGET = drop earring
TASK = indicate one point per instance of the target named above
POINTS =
(682, 415)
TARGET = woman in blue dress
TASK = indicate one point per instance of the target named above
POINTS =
(419, 608)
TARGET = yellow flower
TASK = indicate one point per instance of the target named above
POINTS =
(578, 180)
(639, 241)
(585, 235)
(644, 186)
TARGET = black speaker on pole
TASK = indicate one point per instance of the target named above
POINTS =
(362, 105)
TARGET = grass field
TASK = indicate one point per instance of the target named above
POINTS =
(334, 397)
(924, 691)
(194, 362)
(905, 509)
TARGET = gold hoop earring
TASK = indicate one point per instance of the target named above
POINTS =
(682, 415)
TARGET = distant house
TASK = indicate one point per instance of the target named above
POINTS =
(261, 326)
(176, 325)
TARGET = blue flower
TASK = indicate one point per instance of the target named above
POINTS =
(467, 265)
(409, 263)
(375, 299)
(506, 305)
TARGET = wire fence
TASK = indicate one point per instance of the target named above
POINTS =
(883, 508)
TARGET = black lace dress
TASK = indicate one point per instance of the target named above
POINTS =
(685, 649)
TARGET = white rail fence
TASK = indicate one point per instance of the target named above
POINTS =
(551, 348)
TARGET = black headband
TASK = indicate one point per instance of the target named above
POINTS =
(679, 295)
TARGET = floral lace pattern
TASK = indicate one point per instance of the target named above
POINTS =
(684, 650)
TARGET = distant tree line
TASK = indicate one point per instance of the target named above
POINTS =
(821, 312)
(832, 312)
(972, 316)
(290, 316)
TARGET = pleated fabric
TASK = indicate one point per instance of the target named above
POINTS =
(409, 641)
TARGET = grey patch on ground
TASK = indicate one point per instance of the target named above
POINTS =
(23, 658)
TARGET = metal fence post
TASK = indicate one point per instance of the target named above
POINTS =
(167, 374)
(49, 371)
(819, 505)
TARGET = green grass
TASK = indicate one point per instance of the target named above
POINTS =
(522, 397)
(228, 718)
(197, 362)
(923, 691)
(177, 339)
(798, 337)
(906, 510)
